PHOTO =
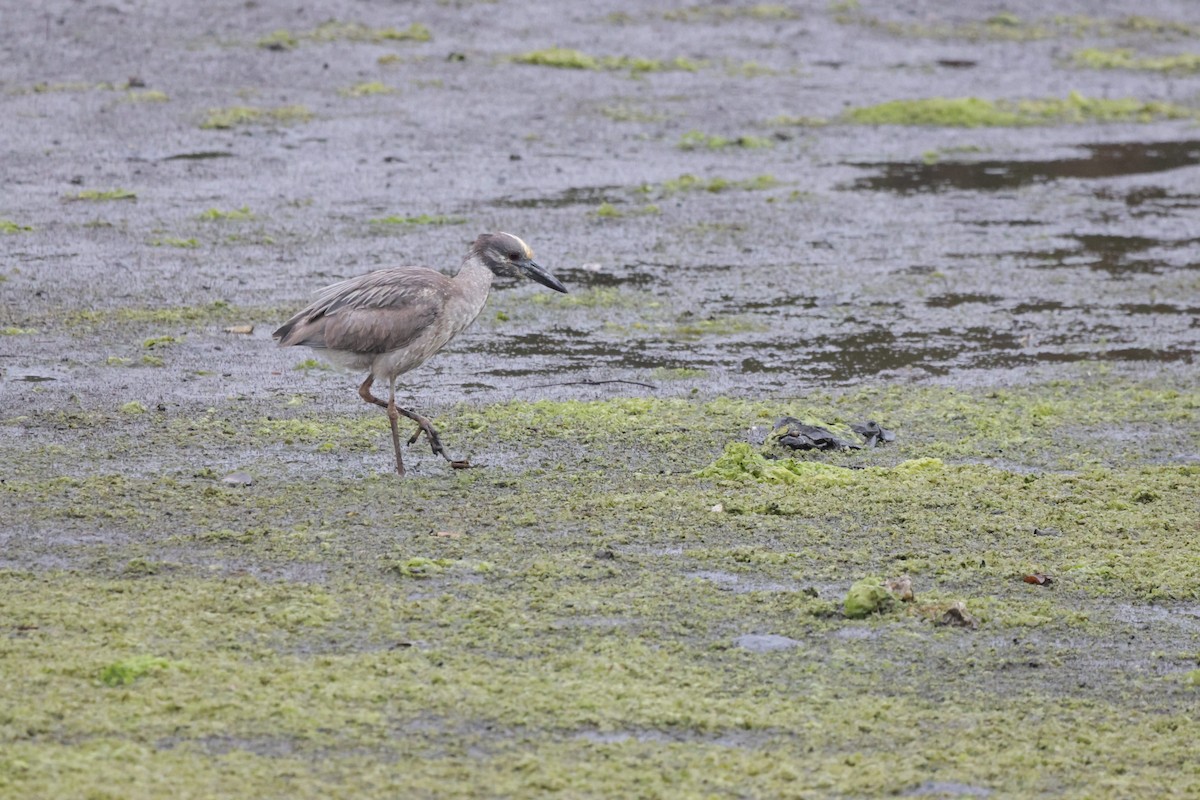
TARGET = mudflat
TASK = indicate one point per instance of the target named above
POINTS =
(974, 226)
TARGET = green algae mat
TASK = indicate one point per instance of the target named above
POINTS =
(650, 606)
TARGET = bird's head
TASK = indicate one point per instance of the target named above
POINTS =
(505, 254)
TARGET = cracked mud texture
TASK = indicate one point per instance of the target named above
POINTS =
(633, 596)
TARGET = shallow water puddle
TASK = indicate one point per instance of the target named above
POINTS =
(30, 376)
(861, 354)
(200, 155)
(1104, 161)
(1151, 201)
(847, 357)
(1117, 255)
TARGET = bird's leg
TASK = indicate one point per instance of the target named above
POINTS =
(424, 425)
(393, 417)
(364, 392)
(435, 441)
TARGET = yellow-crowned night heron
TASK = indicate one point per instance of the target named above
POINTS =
(391, 320)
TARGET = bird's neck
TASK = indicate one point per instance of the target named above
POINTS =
(474, 281)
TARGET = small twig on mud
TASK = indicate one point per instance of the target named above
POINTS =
(590, 382)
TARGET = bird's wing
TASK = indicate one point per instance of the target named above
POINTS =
(372, 313)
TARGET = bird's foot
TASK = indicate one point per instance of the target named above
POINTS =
(436, 445)
(435, 442)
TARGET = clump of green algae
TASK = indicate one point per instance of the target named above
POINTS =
(1123, 58)
(698, 140)
(865, 597)
(566, 58)
(609, 211)
(8, 226)
(125, 672)
(238, 116)
(974, 112)
(190, 243)
(147, 96)
(366, 89)
(693, 183)
(419, 219)
(718, 13)
(104, 194)
(626, 112)
(334, 30)
(216, 214)
(1011, 27)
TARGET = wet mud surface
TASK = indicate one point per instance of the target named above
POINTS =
(1021, 303)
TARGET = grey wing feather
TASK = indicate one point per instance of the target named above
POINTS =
(373, 313)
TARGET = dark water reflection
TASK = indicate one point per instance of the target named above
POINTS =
(827, 358)
(1116, 255)
(1104, 161)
